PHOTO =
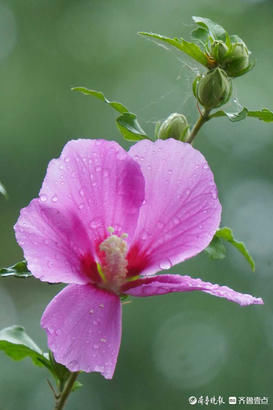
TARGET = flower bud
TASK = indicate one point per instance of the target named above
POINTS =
(219, 50)
(175, 126)
(213, 89)
(237, 59)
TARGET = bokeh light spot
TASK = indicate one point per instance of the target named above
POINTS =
(190, 350)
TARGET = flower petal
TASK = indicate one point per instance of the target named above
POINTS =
(83, 325)
(52, 243)
(181, 211)
(101, 181)
(162, 284)
(93, 185)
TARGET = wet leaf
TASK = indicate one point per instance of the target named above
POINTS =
(19, 270)
(191, 49)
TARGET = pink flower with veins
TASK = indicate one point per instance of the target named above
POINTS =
(105, 222)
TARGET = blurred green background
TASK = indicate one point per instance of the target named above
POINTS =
(177, 345)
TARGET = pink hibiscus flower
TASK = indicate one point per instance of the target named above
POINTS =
(105, 222)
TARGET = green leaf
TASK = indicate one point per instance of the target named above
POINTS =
(19, 270)
(226, 234)
(263, 115)
(191, 49)
(127, 122)
(200, 34)
(216, 31)
(3, 190)
(237, 116)
(216, 250)
(98, 94)
(77, 385)
(130, 127)
(15, 342)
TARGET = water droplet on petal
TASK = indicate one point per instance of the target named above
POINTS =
(67, 159)
(81, 192)
(205, 166)
(43, 198)
(170, 171)
(214, 195)
(73, 365)
(95, 223)
(96, 346)
(144, 236)
(99, 369)
(121, 156)
(91, 311)
(165, 265)
(54, 198)
(98, 169)
(101, 305)
(176, 221)
(103, 340)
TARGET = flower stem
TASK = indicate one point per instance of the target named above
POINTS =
(64, 393)
(204, 117)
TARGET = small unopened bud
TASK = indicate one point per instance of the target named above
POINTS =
(213, 89)
(237, 59)
(175, 126)
(219, 51)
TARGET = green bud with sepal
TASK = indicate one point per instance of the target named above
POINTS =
(213, 89)
(219, 50)
(237, 60)
(176, 126)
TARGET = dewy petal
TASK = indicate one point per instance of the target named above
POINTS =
(181, 211)
(52, 243)
(83, 324)
(162, 284)
(93, 185)
(101, 181)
